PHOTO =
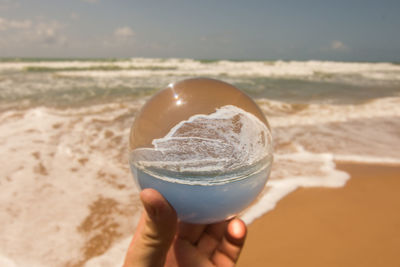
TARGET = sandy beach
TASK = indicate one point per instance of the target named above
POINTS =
(356, 225)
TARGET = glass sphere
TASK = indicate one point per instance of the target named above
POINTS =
(205, 146)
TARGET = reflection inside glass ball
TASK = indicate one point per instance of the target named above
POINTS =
(205, 146)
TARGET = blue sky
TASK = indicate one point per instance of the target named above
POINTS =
(207, 29)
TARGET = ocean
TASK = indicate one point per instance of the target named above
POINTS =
(67, 197)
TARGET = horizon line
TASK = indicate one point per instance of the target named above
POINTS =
(203, 60)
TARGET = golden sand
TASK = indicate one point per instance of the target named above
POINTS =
(356, 225)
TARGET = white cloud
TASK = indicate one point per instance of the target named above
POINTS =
(91, 1)
(14, 24)
(73, 16)
(338, 46)
(27, 32)
(217, 38)
(124, 32)
(8, 4)
(49, 33)
(122, 36)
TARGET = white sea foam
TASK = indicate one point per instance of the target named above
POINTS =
(315, 70)
(286, 114)
(300, 168)
(228, 139)
(6, 262)
(310, 70)
(144, 67)
(367, 159)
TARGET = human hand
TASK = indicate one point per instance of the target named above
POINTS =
(160, 240)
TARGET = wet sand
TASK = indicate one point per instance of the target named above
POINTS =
(356, 225)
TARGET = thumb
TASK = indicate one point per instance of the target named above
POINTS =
(155, 232)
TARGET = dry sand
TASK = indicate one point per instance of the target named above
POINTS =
(356, 225)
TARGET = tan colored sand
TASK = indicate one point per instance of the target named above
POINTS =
(356, 225)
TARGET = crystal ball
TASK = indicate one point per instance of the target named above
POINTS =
(205, 146)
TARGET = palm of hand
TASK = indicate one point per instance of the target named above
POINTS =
(207, 245)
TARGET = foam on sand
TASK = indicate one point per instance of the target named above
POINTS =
(74, 171)
(53, 204)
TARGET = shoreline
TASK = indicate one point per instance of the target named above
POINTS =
(354, 225)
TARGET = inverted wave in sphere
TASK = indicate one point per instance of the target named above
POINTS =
(223, 141)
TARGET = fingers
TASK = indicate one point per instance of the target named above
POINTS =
(190, 232)
(155, 232)
(236, 233)
(211, 238)
(229, 249)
